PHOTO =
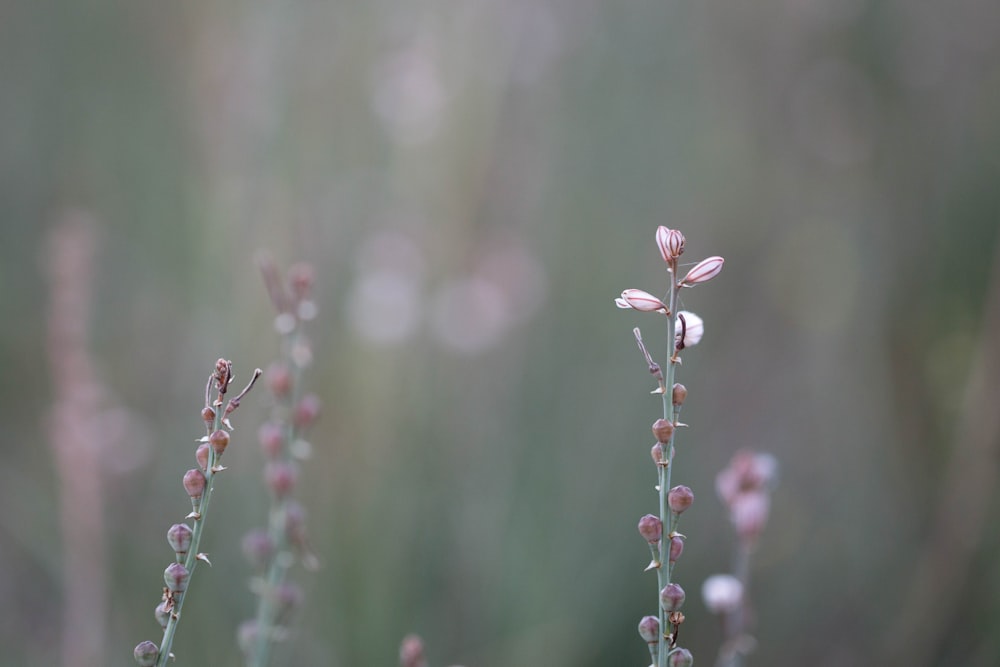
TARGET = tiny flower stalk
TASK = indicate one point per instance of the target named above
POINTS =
(182, 538)
(272, 550)
(683, 330)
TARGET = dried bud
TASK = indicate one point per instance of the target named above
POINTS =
(680, 498)
(703, 271)
(670, 242)
(671, 597)
(649, 629)
(307, 411)
(258, 548)
(194, 483)
(208, 416)
(272, 439)
(280, 477)
(676, 548)
(146, 653)
(641, 301)
(723, 593)
(663, 430)
(179, 538)
(279, 379)
(679, 394)
(680, 657)
(689, 328)
(176, 577)
(201, 455)
(411, 652)
(219, 441)
(658, 452)
(651, 528)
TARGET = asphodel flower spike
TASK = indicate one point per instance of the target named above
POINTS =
(703, 271)
(641, 301)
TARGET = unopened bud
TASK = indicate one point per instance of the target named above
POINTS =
(280, 477)
(676, 549)
(679, 394)
(703, 271)
(307, 411)
(279, 379)
(641, 301)
(649, 629)
(272, 439)
(201, 455)
(671, 597)
(219, 441)
(670, 243)
(651, 528)
(663, 430)
(208, 416)
(194, 483)
(659, 454)
(680, 657)
(176, 577)
(179, 538)
(411, 652)
(680, 498)
(162, 614)
(146, 653)
(258, 548)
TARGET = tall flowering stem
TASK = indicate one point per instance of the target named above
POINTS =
(198, 483)
(666, 544)
(274, 549)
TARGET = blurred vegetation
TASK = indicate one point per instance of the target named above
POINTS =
(475, 182)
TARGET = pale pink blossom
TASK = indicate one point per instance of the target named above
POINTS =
(641, 301)
(704, 271)
(670, 242)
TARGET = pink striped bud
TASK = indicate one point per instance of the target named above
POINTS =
(641, 301)
(703, 271)
(176, 577)
(670, 242)
(649, 628)
(680, 657)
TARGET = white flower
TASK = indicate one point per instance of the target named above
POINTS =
(689, 329)
(641, 301)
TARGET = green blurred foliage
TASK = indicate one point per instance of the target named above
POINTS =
(475, 182)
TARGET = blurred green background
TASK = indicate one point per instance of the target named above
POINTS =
(475, 182)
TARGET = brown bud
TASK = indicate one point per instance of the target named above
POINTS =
(659, 454)
(680, 498)
(219, 441)
(194, 483)
(663, 430)
(201, 455)
(679, 394)
(208, 416)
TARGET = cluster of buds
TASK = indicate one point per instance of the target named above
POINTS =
(198, 482)
(272, 550)
(666, 544)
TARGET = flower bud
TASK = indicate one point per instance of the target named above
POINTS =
(670, 242)
(659, 454)
(295, 523)
(162, 614)
(179, 538)
(649, 629)
(671, 597)
(663, 430)
(722, 593)
(680, 498)
(201, 455)
(219, 441)
(679, 394)
(411, 652)
(641, 301)
(287, 597)
(208, 416)
(703, 271)
(748, 513)
(258, 548)
(176, 577)
(676, 549)
(680, 657)
(279, 379)
(688, 328)
(651, 528)
(280, 477)
(194, 483)
(272, 439)
(146, 653)
(307, 411)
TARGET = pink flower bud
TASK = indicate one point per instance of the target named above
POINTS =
(723, 593)
(680, 657)
(146, 654)
(679, 394)
(651, 528)
(219, 441)
(680, 498)
(258, 547)
(641, 301)
(307, 411)
(659, 454)
(670, 242)
(411, 652)
(194, 483)
(176, 577)
(279, 379)
(162, 614)
(676, 549)
(649, 629)
(179, 538)
(671, 597)
(280, 477)
(272, 439)
(663, 429)
(201, 455)
(704, 271)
